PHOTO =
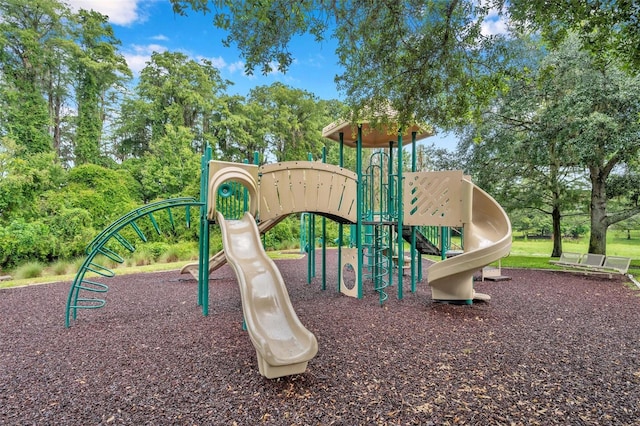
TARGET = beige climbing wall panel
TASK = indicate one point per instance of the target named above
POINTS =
(436, 198)
(307, 186)
(349, 257)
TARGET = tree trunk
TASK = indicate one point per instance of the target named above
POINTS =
(557, 232)
(599, 220)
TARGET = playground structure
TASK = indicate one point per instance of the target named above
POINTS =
(383, 205)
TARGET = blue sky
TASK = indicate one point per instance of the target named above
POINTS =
(145, 26)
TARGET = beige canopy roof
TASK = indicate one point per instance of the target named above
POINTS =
(372, 136)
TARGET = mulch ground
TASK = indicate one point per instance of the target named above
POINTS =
(549, 348)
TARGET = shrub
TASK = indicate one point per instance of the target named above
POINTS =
(62, 267)
(29, 270)
(22, 242)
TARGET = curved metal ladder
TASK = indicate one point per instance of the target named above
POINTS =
(98, 247)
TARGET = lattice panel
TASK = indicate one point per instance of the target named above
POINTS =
(436, 199)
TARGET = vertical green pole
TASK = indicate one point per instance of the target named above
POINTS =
(400, 225)
(390, 210)
(324, 235)
(245, 196)
(390, 213)
(203, 255)
(359, 209)
(311, 261)
(415, 256)
(444, 242)
(340, 228)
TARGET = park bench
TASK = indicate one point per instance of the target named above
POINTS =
(594, 263)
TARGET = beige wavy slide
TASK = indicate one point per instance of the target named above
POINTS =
(487, 238)
(283, 345)
(219, 259)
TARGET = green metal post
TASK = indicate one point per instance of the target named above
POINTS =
(324, 235)
(390, 212)
(340, 228)
(203, 251)
(359, 209)
(415, 256)
(444, 242)
(399, 198)
(311, 252)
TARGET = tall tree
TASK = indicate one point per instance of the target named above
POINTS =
(601, 116)
(31, 35)
(99, 67)
(239, 130)
(427, 60)
(172, 90)
(292, 120)
(522, 134)
(574, 117)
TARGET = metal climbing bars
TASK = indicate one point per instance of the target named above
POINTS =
(84, 292)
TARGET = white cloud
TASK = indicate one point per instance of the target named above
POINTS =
(238, 65)
(120, 12)
(137, 56)
(160, 37)
(217, 62)
(494, 24)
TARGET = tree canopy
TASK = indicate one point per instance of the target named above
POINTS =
(429, 61)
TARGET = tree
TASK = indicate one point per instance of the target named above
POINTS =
(427, 60)
(170, 168)
(523, 136)
(98, 67)
(291, 121)
(31, 38)
(239, 130)
(574, 118)
(172, 90)
(601, 117)
(609, 27)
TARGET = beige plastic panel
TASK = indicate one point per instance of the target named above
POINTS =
(224, 171)
(436, 199)
(307, 186)
(349, 257)
(283, 345)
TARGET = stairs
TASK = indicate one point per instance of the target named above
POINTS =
(423, 244)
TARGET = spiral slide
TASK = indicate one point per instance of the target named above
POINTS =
(283, 345)
(487, 238)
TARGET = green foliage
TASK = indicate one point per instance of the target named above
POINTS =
(606, 28)
(170, 168)
(427, 60)
(282, 234)
(22, 180)
(98, 67)
(30, 46)
(23, 241)
(291, 121)
(106, 194)
(568, 114)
